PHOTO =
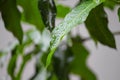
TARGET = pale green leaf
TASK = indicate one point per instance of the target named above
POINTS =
(75, 17)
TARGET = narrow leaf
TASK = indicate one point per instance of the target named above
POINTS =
(75, 17)
(12, 63)
(97, 25)
(48, 12)
(26, 58)
(11, 17)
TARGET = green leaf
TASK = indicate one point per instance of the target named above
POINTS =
(62, 11)
(75, 17)
(116, 1)
(48, 12)
(53, 77)
(12, 63)
(11, 17)
(78, 65)
(110, 4)
(25, 59)
(31, 13)
(61, 61)
(97, 25)
(119, 13)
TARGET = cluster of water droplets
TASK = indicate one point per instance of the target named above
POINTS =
(75, 17)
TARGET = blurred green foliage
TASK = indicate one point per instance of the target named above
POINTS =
(70, 55)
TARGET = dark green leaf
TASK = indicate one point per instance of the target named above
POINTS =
(117, 1)
(12, 63)
(48, 12)
(78, 65)
(110, 4)
(53, 77)
(119, 13)
(2, 2)
(97, 25)
(31, 13)
(83, 1)
(40, 64)
(75, 17)
(11, 17)
(61, 62)
(62, 11)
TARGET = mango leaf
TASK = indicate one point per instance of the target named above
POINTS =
(97, 25)
(48, 12)
(11, 17)
(119, 13)
(75, 17)
(78, 65)
(31, 13)
(62, 10)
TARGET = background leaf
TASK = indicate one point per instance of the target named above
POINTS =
(78, 65)
(119, 13)
(97, 25)
(110, 4)
(62, 11)
(12, 63)
(61, 62)
(11, 17)
(31, 13)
